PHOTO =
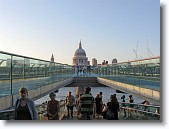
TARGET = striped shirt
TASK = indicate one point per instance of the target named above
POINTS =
(87, 102)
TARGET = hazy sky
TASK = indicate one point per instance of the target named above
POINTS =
(107, 28)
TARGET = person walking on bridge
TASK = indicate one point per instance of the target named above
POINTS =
(70, 102)
(53, 107)
(99, 105)
(131, 100)
(114, 107)
(25, 107)
(87, 103)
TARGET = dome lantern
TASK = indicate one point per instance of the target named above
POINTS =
(80, 51)
(80, 45)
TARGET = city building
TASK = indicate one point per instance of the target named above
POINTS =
(88, 62)
(94, 62)
(52, 59)
(114, 61)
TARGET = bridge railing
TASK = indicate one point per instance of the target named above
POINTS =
(41, 110)
(18, 71)
(143, 73)
(133, 111)
(128, 111)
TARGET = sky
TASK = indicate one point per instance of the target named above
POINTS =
(107, 28)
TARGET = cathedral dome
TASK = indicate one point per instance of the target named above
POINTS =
(80, 51)
(80, 58)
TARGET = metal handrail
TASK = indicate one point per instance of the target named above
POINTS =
(135, 111)
(12, 54)
(155, 106)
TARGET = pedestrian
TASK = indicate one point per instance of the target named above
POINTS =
(101, 94)
(145, 103)
(131, 100)
(123, 98)
(70, 102)
(53, 107)
(78, 105)
(25, 107)
(87, 104)
(123, 105)
(98, 101)
(113, 107)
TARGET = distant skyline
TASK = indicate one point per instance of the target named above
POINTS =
(107, 28)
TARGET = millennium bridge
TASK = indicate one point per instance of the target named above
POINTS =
(140, 78)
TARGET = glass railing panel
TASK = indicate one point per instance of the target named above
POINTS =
(7, 114)
(17, 74)
(17, 71)
(5, 74)
(142, 73)
(139, 111)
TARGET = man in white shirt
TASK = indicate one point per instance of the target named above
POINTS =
(70, 101)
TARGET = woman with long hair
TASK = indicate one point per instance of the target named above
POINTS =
(114, 106)
(25, 107)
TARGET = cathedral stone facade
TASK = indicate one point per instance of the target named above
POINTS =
(80, 60)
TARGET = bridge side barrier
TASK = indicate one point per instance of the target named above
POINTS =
(149, 93)
(133, 111)
(9, 101)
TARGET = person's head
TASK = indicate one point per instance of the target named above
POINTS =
(23, 92)
(108, 103)
(113, 99)
(101, 93)
(123, 97)
(130, 96)
(145, 102)
(88, 89)
(97, 95)
(52, 95)
(69, 93)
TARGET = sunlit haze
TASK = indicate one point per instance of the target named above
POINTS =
(121, 29)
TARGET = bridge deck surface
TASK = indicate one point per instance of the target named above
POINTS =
(80, 116)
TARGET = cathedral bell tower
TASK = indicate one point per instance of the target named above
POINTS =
(52, 58)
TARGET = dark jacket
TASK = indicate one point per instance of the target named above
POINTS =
(114, 107)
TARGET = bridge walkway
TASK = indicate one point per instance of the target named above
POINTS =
(137, 112)
(80, 116)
